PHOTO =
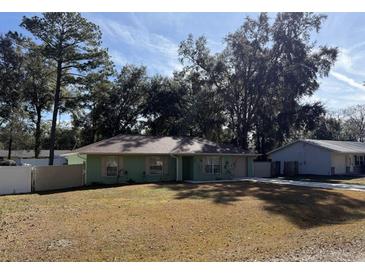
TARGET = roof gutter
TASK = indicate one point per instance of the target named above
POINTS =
(167, 153)
(69, 154)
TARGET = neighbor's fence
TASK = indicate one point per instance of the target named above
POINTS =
(42, 162)
(24, 179)
(15, 179)
(57, 177)
(262, 169)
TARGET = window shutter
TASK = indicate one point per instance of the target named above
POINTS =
(120, 166)
(166, 165)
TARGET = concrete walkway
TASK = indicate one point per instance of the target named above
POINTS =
(279, 181)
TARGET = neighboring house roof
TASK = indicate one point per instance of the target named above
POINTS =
(337, 146)
(30, 153)
(139, 144)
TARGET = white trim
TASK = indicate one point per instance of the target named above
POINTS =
(69, 154)
(177, 166)
(284, 146)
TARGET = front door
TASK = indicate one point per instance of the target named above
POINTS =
(187, 168)
(240, 169)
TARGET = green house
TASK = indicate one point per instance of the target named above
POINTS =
(137, 158)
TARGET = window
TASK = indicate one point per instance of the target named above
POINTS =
(359, 160)
(111, 166)
(155, 165)
(213, 165)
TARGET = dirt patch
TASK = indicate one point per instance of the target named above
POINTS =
(182, 222)
(59, 244)
(329, 252)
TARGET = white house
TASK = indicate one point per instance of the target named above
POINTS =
(26, 157)
(322, 157)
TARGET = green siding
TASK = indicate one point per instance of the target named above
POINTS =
(180, 168)
(200, 175)
(190, 168)
(134, 167)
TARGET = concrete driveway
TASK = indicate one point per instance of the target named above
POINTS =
(279, 181)
(308, 184)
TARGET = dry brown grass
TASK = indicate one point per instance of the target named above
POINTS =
(177, 222)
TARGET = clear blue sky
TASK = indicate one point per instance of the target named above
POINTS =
(152, 39)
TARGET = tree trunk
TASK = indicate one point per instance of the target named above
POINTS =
(242, 134)
(37, 136)
(55, 113)
(243, 139)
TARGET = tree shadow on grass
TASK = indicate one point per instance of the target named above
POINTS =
(94, 186)
(303, 206)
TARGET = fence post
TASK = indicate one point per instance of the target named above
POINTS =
(32, 179)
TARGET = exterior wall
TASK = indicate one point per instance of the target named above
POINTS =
(228, 169)
(134, 166)
(262, 169)
(180, 168)
(250, 168)
(339, 163)
(240, 167)
(311, 159)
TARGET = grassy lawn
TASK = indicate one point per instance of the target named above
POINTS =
(356, 180)
(178, 222)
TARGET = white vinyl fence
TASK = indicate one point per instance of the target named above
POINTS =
(25, 179)
(15, 179)
(262, 169)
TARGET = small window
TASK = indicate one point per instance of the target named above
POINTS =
(111, 166)
(156, 166)
(213, 165)
(356, 160)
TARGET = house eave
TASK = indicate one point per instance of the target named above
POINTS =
(159, 153)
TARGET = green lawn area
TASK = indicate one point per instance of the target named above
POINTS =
(336, 179)
(178, 222)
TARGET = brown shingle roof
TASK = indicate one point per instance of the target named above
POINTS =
(139, 144)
